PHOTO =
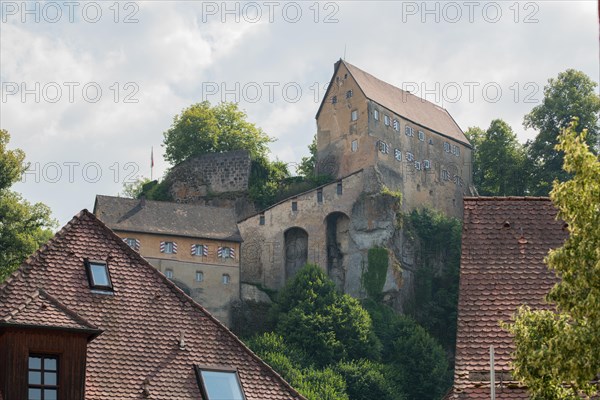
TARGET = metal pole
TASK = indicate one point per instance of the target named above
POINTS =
(492, 375)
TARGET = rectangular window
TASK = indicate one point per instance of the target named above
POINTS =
(418, 165)
(421, 136)
(445, 175)
(426, 164)
(354, 115)
(261, 220)
(169, 273)
(133, 243)
(430, 141)
(409, 131)
(334, 100)
(226, 279)
(456, 150)
(168, 247)
(98, 275)
(294, 206)
(349, 94)
(376, 115)
(339, 188)
(199, 276)
(410, 157)
(219, 384)
(226, 252)
(398, 154)
(200, 250)
(396, 125)
(42, 377)
(447, 147)
(354, 145)
(386, 120)
(319, 196)
(383, 147)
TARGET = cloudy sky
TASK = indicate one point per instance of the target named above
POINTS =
(88, 88)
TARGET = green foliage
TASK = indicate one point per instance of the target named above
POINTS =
(314, 316)
(295, 367)
(265, 181)
(571, 95)
(134, 189)
(308, 167)
(436, 280)
(202, 128)
(155, 190)
(498, 160)
(23, 226)
(416, 362)
(373, 278)
(557, 354)
(367, 380)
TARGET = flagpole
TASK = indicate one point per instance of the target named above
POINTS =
(152, 164)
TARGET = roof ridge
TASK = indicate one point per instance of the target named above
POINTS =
(185, 298)
(166, 202)
(26, 264)
(66, 309)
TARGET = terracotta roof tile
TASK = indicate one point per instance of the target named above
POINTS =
(505, 240)
(141, 321)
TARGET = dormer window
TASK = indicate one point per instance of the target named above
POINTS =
(42, 382)
(98, 275)
(219, 384)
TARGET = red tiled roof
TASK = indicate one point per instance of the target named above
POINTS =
(141, 321)
(505, 240)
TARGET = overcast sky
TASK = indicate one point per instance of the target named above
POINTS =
(89, 87)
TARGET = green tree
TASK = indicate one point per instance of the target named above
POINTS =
(557, 353)
(308, 166)
(416, 362)
(23, 226)
(314, 316)
(367, 380)
(202, 128)
(498, 160)
(134, 189)
(570, 95)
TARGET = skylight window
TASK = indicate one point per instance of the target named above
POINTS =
(220, 385)
(98, 275)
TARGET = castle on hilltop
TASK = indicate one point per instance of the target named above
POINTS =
(380, 143)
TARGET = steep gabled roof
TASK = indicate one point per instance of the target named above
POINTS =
(167, 218)
(142, 320)
(505, 240)
(404, 104)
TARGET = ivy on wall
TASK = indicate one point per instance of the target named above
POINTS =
(373, 278)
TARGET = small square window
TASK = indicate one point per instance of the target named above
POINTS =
(349, 94)
(261, 220)
(200, 250)
(319, 196)
(421, 136)
(199, 276)
(133, 243)
(42, 381)
(426, 164)
(354, 115)
(294, 206)
(383, 147)
(376, 115)
(98, 275)
(447, 147)
(169, 273)
(398, 154)
(430, 141)
(219, 384)
(408, 131)
(354, 145)
(386, 120)
(225, 252)
(396, 125)
(418, 165)
(334, 100)
(339, 188)
(226, 279)
(168, 247)
(410, 157)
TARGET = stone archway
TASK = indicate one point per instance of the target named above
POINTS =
(337, 238)
(296, 250)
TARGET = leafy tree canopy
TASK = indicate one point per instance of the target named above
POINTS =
(23, 226)
(558, 352)
(202, 128)
(570, 95)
